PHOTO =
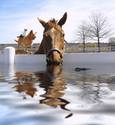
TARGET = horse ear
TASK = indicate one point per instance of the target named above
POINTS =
(63, 19)
(31, 32)
(42, 22)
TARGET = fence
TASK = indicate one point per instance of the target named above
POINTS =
(9, 57)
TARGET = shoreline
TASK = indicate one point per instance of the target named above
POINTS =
(69, 47)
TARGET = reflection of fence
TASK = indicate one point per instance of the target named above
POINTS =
(9, 57)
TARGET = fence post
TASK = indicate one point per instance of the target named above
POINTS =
(9, 55)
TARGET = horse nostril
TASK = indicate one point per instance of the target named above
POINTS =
(49, 62)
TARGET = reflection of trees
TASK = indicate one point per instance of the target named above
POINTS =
(53, 83)
(25, 84)
(1, 77)
(91, 86)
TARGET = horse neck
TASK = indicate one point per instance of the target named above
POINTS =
(41, 47)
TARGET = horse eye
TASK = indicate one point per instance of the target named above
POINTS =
(46, 34)
(63, 34)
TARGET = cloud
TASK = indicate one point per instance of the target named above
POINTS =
(17, 15)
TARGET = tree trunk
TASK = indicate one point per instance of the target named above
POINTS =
(84, 44)
(98, 40)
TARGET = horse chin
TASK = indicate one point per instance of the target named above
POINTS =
(34, 38)
(54, 62)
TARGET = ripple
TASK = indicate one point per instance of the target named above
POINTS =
(38, 98)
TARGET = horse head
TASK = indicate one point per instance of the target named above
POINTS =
(25, 41)
(53, 40)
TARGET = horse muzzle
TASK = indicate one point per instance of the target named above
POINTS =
(54, 56)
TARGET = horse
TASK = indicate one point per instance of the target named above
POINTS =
(53, 82)
(53, 40)
(26, 41)
(24, 84)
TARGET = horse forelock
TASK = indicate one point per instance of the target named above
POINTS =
(53, 20)
(52, 23)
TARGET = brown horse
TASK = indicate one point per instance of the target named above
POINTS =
(52, 80)
(25, 84)
(53, 40)
(26, 41)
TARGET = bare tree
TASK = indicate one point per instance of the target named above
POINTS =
(83, 33)
(98, 27)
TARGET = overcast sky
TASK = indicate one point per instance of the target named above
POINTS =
(15, 15)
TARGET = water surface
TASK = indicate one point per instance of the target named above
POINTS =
(40, 95)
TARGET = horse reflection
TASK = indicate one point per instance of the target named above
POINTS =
(25, 84)
(53, 82)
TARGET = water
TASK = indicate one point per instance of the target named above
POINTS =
(40, 95)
